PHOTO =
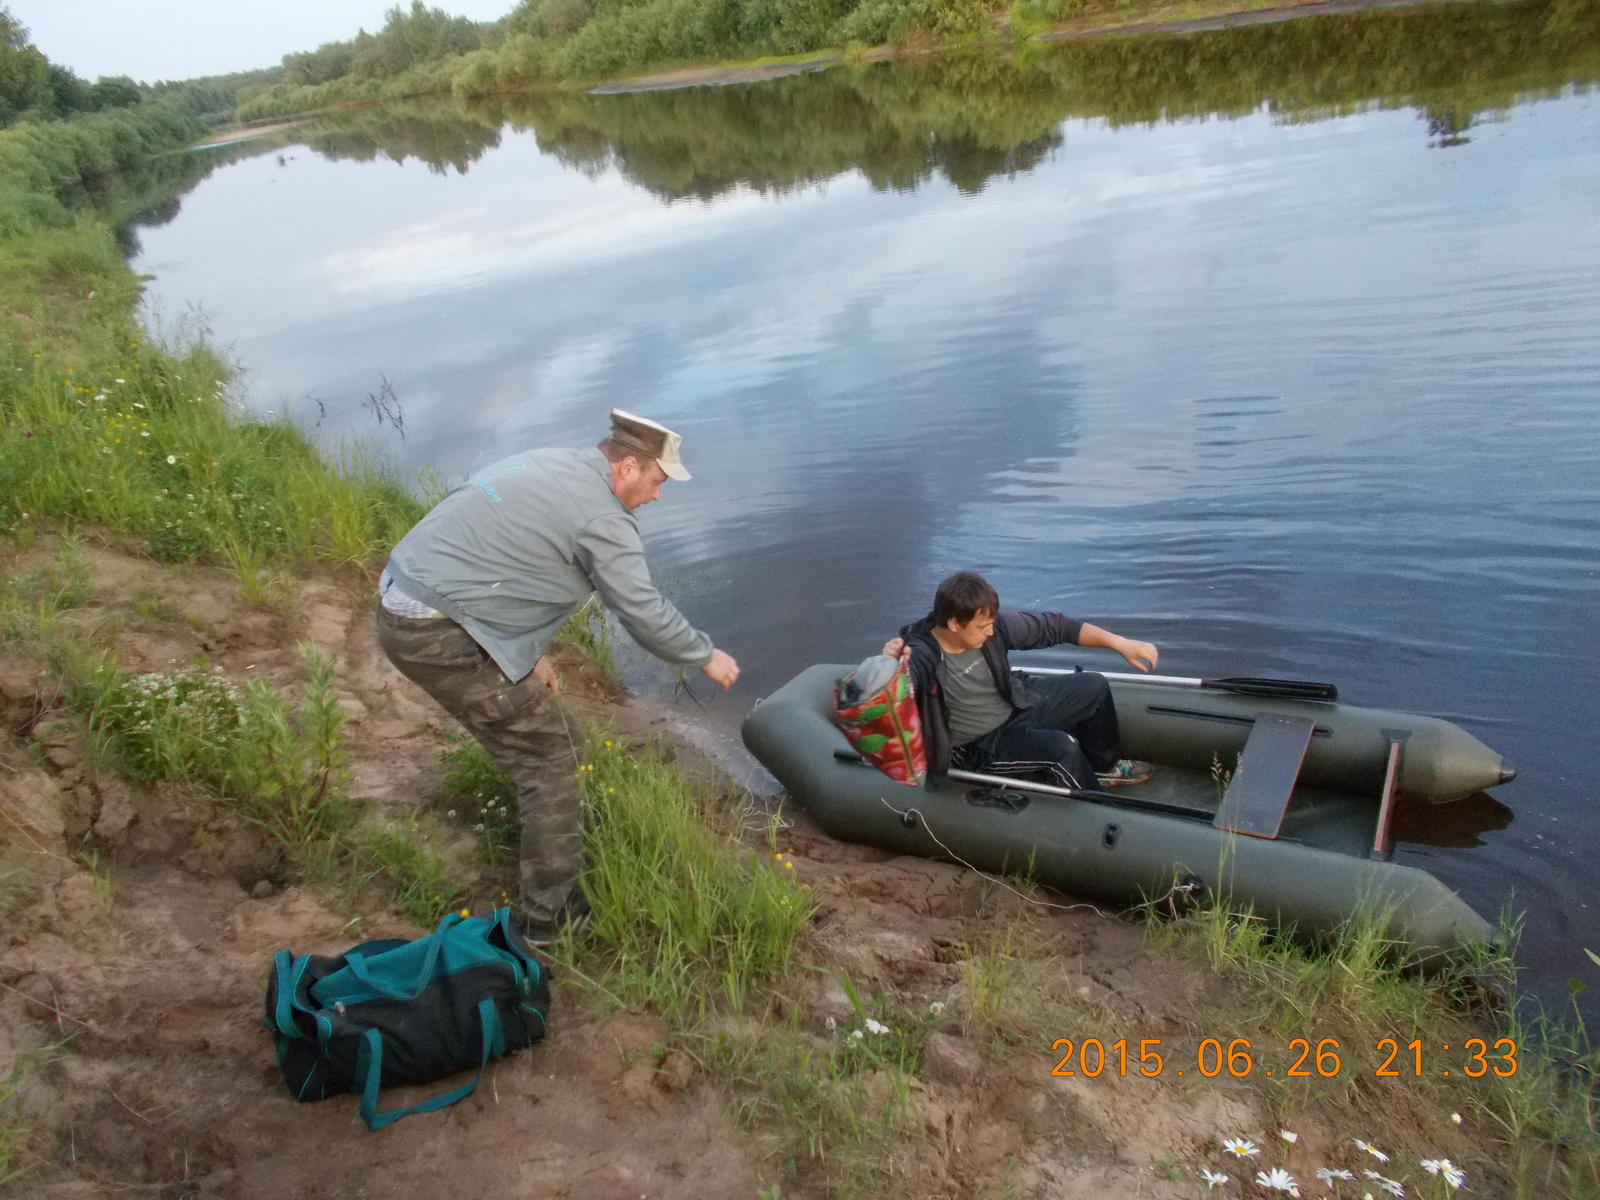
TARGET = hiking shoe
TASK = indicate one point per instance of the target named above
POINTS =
(575, 918)
(1125, 772)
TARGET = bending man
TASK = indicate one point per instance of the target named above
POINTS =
(978, 716)
(473, 595)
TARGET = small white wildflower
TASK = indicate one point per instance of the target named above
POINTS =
(1456, 1117)
(1328, 1175)
(855, 1033)
(477, 829)
(1240, 1147)
(122, 381)
(876, 1027)
(136, 404)
(1277, 1180)
(1393, 1186)
(936, 1008)
(1287, 1136)
(144, 433)
(1372, 1150)
(172, 460)
(1443, 1167)
(450, 812)
(830, 1025)
(1214, 1179)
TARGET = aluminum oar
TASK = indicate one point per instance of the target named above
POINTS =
(1091, 795)
(1282, 689)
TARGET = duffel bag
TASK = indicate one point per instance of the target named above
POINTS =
(394, 1011)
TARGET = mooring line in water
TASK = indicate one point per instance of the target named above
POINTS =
(917, 813)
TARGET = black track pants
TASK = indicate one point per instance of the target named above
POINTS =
(1064, 737)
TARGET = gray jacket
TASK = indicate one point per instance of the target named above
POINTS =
(511, 553)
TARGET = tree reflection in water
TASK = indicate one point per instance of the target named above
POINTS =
(970, 118)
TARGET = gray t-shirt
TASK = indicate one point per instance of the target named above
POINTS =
(974, 703)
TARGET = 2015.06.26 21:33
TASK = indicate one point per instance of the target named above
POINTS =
(1092, 1058)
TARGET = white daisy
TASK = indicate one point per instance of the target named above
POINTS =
(1214, 1179)
(1287, 1136)
(1240, 1147)
(1277, 1180)
(1372, 1150)
(1452, 1174)
(876, 1027)
(1392, 1186)
(1328, 1175)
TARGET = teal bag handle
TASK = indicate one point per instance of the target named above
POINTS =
(358, 966)
(369, 1069)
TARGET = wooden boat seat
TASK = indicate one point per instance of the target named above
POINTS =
(1258, 795)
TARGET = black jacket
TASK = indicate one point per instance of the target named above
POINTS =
(1012, 631)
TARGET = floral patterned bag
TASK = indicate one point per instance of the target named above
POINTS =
(876, 707)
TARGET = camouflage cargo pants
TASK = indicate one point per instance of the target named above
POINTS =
(525, 727)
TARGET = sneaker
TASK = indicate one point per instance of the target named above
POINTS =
(574, 918)
(1125, 772)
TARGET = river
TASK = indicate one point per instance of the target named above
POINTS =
(1279, 347)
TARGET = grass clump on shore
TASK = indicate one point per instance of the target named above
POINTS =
(687, 912)
(687, 917)
(284, 768)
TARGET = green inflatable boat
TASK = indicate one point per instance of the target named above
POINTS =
(1272, 801)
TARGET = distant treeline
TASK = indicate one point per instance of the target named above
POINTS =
(34, 88)
(968, 118)
(425, 51)
(79, 162)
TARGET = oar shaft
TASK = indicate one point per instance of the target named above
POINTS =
(1123, 676)
(1094, 797)
(1281, 689)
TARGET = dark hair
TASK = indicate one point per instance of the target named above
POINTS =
(963, 596)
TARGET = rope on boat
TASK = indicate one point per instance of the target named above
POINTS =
(918, 815)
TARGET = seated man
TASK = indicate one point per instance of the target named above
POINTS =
(977, 716)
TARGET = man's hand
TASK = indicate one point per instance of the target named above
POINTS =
(546, 674)
(896, 648)
(1139, 654)
(721, 670)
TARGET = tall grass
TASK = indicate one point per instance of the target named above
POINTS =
(687, 912)
(687, 916)
(142, 441)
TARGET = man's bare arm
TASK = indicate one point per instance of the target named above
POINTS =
(1141, 655)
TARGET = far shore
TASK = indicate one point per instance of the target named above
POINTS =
(1171, 19)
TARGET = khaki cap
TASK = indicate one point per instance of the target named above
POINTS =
(645, 436)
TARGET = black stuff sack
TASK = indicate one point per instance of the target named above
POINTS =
(393, 1011)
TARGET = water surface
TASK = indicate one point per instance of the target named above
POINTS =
(1274, 346)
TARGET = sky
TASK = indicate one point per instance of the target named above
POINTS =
(180, 39)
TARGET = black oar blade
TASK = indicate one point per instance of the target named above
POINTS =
(1282, 689)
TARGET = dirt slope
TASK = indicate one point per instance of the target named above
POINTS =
(141, 924)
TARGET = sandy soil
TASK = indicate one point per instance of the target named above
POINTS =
(168, 1086)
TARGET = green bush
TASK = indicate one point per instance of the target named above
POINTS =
(284, 769)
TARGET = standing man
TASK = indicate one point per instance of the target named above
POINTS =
(977, 716)
(473, 595)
